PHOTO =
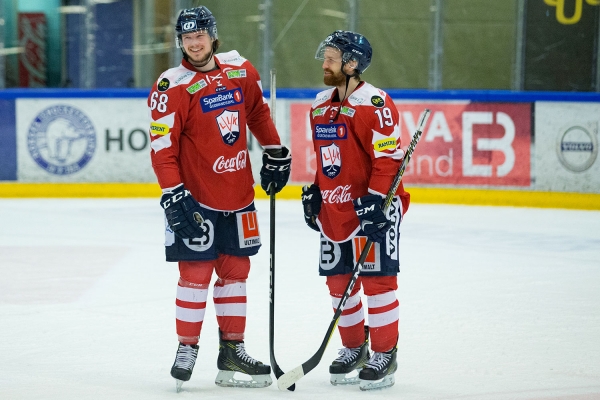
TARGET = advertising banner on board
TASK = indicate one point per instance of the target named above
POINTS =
(463, 143)
(90, 140)
(566, 147)
(83, 140)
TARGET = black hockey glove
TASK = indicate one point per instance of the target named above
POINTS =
(184, 214)
(311, 201)
(276, 169)
(373, 221)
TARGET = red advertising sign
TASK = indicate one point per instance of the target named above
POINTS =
(32, 38)
(480, 144)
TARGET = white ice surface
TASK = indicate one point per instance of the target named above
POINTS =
(495, 303)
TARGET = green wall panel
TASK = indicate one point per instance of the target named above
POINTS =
(399, 34)
(479, 44)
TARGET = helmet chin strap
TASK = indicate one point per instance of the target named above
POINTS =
(337, 113)
(348, 77)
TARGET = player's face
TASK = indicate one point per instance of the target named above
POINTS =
(332, 67)
(198, 47)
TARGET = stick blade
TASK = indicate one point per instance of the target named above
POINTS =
(285, 381)
(278, 373)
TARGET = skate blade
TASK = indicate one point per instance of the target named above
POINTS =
(378, 384)
(227, 379)
(178, 384)
(350, 378)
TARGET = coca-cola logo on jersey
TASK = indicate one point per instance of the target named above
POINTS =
(340, 194)
(232, 164)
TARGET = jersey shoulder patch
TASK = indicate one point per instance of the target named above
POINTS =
(174, 77)
(322, 97)
(367, 95)
(230, 58)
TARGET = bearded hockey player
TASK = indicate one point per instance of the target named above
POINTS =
(356, 137)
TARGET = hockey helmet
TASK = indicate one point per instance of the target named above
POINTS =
(193, 20)
(353, 46)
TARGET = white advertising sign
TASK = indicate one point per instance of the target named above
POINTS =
(93, 140)
(566, 147)
(83, 140)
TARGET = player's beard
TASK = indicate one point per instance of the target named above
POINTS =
(335, 79)
(202, 61)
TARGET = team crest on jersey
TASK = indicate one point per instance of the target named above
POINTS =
(331, 160)
(229, 125)
(331, 131)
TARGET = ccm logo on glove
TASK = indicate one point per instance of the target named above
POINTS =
(183, 213)
(365, 210)
(275, 170)
(373, 221)
(175, 198)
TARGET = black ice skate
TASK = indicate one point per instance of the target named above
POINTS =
(378, 372)
(233, 358)
(184, 364)
(350, 360)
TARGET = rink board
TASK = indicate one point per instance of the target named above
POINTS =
(478, 147)
(492, 197)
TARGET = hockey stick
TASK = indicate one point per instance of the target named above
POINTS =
(276, 369)
(292, 376)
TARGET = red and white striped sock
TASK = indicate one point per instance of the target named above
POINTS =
(190, 308)
(383, 320)
(230, 306)
(352, 321)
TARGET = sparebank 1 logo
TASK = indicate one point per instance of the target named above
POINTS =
(61, 139)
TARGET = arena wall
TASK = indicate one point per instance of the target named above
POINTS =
(535, 149)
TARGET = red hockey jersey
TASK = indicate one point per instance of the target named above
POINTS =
(357, 154)
(198, 130)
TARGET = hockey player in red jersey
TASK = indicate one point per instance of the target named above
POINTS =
(199, 113)
(356, 137)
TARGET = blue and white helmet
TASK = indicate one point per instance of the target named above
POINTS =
(353, 46)
(193, 20)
